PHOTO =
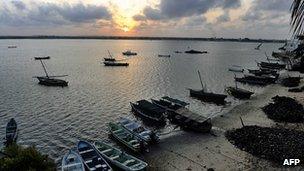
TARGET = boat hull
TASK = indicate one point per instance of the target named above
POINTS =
(11, 132)
(208, 97)
(238, 93)
(115, 64)
(52, 82)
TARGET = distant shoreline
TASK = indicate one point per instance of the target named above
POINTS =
(148, 38)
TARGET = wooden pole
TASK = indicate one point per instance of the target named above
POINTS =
(242, 121)
(199, 75)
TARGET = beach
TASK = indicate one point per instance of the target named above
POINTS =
(193, 151)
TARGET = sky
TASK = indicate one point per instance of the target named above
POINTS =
(266, 19)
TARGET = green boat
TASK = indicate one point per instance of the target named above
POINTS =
(118, 158)
(125, 137)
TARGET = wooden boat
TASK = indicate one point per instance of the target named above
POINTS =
(179, 115)
(195, 51)
(261, 72)
(113, 63)
(258, 47)
(129, 53)
(178, 51)
(110, 58)
(51, 80)
(238, 92)
(266, 78)
(11, 132)
(271, 65)
(91, 158)
(126, 138)
(236, 68)
(119, 158)
(12, 47)
(167, 56)
(139, 131)
(71, 161)
(207, 96)
(42, 57)
(149, 112)
(251, 81)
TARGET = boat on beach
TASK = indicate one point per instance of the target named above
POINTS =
(202, 95)
(119, 158)
(195, 51)
(115, 63)
(42, 57)
(263, 71)
(239, 93)
(139, 131)
(91, 158)
(119, 133)
(149, 112)
(129, 53)
(11, 133)
(271, 65)
(71, 161)
(167, 56)
(236, 68)
(178, 114)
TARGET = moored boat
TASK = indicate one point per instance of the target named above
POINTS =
(169, 103)
(272, 65)
(119, 158)
(42, 57)
(238, 92)
(113, 63)
(71, 161)
(129, 53)
(195, 51)
(236, 68)
(126, 138)
(12, 47)
(167, 56)
(110, 58)
(149, 112)
(11, 133)
(139, 131)
(91, 158)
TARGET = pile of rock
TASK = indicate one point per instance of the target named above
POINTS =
(274, 144)
(284, 109)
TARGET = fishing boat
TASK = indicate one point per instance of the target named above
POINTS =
(91, 158)
(139, 131)
(149, 112)
(51, 80)
(257, 80)
(195, 51)
(207, 96)
(110, 58)
(114, 63)
(42, 57)
(167, 56)
(178, 51)
(271, 65)
(119, 133)
(129, 53)
(258, 47)
(119, 158)
(238, 92)
(181, 116)
(261, 71)
(12, 47)
(71, 161)
(236, 68)
(11, 132)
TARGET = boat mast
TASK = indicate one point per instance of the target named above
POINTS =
(199, 75)
(110, 54)
(235, 82)
(47, 75)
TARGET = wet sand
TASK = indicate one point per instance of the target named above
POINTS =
(193, 151)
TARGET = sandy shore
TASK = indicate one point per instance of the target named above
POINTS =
(192, 151)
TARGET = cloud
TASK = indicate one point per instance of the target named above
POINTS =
(223, 18)
(19, 5)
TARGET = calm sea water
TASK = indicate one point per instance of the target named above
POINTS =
(53, 118)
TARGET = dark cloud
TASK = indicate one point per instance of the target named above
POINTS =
(223, 18)
(153, 14)
(231, 4)
(139, 17)
(19, 5)
(273, 5)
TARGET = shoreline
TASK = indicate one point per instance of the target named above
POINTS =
(194, 151)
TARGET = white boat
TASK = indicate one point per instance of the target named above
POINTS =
(118, 158)
(129, 53)
(138, 130)
(71, 161)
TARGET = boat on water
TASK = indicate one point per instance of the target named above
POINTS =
(91, 158)
(110, 58)
(178, 51)
(51, 80)
(12, 47)
(205, 96)
(119, 158)
(236, 68)
(195, 51)
(239, 93)
(71, 161)
(11, 133)
(42, 57)
(119, 133)
(181, 116)
(129, 53)
(115, 63)
(149, 112)
(139, 131)
(258, 47)
(167, 56)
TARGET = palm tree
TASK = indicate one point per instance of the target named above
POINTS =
(297, 16)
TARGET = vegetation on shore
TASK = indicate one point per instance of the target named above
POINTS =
(27, 159)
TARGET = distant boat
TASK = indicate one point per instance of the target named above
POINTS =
(123, 136)
(129, 53)
(71, 161)
(236, 68)
(139, 131)
(113, 63)
(119, 158)
(207, 96)
(110, 58)
(168, 56)
(258, 47)
(12, 47)
(11, 132)
(195, 51)
(51, 80)
(178, 51)
(91, 158)
(42, 57)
